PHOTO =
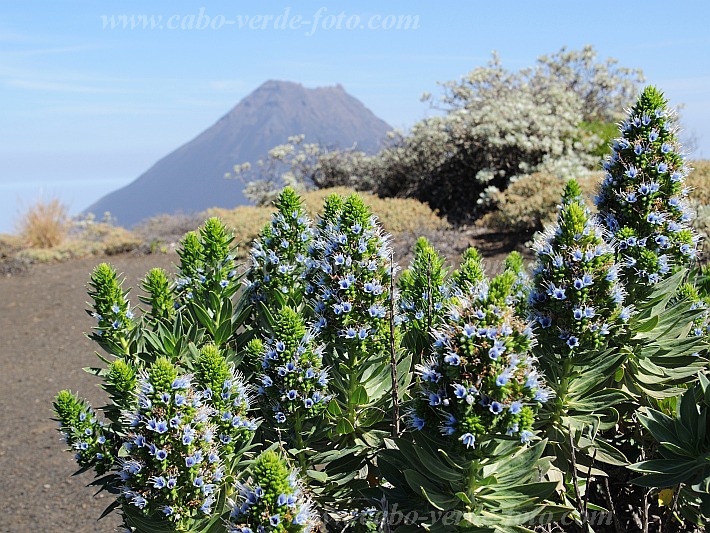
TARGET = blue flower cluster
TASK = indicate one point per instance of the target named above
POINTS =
(577, 299)
(643, 199)
(111, 308)
(90, 439)
(206, 264)
(424, 289)
(701, 325)
(272, 500)
(279, 256)
(293, 381)
(351, 273)
(173, 461)
(481, 378)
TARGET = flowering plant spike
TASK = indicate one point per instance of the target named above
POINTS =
(272, 499)
(424, 292)
(279, 255)
(643, 198)
(577, 301)
(111, 310)
(352, 271)
(481, 379)
(293, 382)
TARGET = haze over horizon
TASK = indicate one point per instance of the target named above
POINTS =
(88, 108)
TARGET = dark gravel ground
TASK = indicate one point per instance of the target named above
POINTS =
(43, 350)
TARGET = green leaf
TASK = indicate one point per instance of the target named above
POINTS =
(599, 401)
(344, 427)
(359, 396)
(317, 475)
(334, 409)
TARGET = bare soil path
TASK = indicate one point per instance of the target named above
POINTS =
(43, 350)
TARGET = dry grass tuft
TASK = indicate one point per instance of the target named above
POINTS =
(44, 224)
(530, 203)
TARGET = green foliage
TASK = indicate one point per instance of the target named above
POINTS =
(424, 293)
(502, 490)
(660, 350)
(111, 309)
(160, 295)
(603, 131)
(683, 445)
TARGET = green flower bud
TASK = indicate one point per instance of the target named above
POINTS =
(162, 374)
(272, 499)
(160, 296)
(470, 273)
(424, 289)
(111, 308)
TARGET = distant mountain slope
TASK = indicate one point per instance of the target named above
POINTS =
(192, 177)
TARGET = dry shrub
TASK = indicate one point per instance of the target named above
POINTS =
(530, 203)
(168, 228)
(702, 225)
(96, 239)
(699, 179)
(246, 222)
(44, 224)
(397, 215)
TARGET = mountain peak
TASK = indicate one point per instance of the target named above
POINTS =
(191, 178)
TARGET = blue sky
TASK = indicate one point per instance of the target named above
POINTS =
(86, 108)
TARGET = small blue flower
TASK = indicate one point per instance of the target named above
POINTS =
(416, 422)
(468, 439)
(452, 359)
(180, 382)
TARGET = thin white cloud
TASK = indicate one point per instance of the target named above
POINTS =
(46, 51)
(227, 85)
(204, 102)
(9, 36)
(57, 86)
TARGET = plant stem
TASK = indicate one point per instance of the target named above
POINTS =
(575, 482)
(617, 523)
(298, 438)
(393, 356)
